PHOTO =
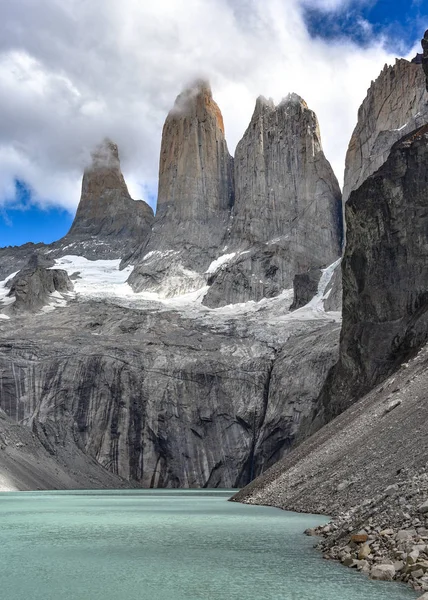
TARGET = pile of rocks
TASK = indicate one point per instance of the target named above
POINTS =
(385, 537)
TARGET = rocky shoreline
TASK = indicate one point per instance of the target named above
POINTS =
(385, 537)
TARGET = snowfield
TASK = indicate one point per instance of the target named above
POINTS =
(104, 280)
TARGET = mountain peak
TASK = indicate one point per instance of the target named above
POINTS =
(195, 100)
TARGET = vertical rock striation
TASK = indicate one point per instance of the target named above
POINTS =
(196, 193)
(287, 212)
(396, 104)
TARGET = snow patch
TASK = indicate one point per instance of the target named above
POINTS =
(98, 278)
(4, 299)
(219, 262)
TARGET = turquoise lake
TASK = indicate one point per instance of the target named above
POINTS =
(166, 545)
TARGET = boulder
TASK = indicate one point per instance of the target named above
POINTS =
(382, 572)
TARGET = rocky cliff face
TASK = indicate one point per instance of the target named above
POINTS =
(167, 397)
(395, 105)
(425, 56)
(196, 193)
(32, 286)
(287, 212)
(106, 211)
(384, 271)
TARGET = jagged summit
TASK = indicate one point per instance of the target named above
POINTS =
(196, 193)
(396, 104)
(106, 207)
(195, 100)
(287, 211)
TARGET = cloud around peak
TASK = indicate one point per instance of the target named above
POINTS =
(74, 73)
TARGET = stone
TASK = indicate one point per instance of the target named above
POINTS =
(423, 508)
(404, 534)
(412, 557)
(382, 572)
(398, 565)
(364, 552)
(392, 489)
(386, 532)
(305, 287)
(359, 538)
(32, 287)
(417, 574)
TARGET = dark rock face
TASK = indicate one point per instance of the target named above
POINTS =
(396, 104)
(305, 287)
(425, 56)
(196, 193)
(385, 300)
(14, 258)
(287, 216)
(333, 293)
(33, 285)
(167, 401)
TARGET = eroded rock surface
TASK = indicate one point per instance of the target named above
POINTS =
(167, 397)
(287, 212)
(384, 273)
(196, 193)
(425, 56)
(32, 286)
(396, 104)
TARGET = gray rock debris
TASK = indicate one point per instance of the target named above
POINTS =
(384, 454)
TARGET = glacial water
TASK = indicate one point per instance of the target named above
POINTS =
(166, 545)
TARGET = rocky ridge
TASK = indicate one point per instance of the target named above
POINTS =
(396, 104)
(244, 227)
(367, 466)
(385, 309)
(287, 215)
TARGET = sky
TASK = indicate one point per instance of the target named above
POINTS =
(73, 72)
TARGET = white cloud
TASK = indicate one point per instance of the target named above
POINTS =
(74, 72)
